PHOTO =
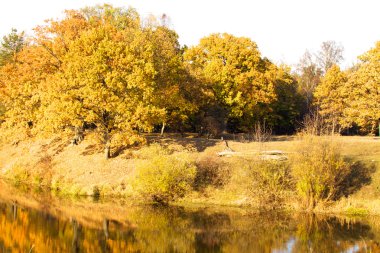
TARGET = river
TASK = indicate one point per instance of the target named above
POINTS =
(34, 222)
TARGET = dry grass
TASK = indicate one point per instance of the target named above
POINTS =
(70, 168)
(82, 169)
(89, 171)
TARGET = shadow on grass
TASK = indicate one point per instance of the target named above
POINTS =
(360, 175)
(200, 144)
(91, 149)
(186, 140)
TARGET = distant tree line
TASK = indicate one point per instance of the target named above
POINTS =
(106, 69)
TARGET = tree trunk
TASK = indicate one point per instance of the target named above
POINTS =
(14, 210)
(76, 236)
(373, 128)
(333, 127)
(105, 228)
(107, 151)
(162, 129)
(107, 148)
(79, 135)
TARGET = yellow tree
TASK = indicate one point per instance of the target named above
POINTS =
(330, 96)
(55, 36)
(22, 87)
(10, 46)
(232, 68)
(363, 88)
(26, 78)
(174, 92)
(97, 66)
(283, 114)
(106, 79)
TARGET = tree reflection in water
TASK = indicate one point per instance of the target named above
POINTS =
(177, 229)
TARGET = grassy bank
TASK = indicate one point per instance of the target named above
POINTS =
(188, 171)
(51, 223)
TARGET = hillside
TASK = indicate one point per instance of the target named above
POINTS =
(82, 169)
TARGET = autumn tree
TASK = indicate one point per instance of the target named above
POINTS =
(23, 85)
(98, 67)
(107, 79)
(363, 92)
(25, 82)
(331, 97)
(174, 92)
(117, 75)
(55, 36)
(285, 112)
(234, 76)
(9, 47)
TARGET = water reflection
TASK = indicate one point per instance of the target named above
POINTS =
(176, 229)
(331, 234)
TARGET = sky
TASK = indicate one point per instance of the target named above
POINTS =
(282, 29)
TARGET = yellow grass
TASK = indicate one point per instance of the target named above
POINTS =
(82, 169)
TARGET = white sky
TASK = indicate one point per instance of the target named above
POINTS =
(283, 29)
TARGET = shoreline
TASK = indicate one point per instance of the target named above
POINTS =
(87, 174)
(30, 198)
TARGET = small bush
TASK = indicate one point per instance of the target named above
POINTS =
(271, 182)
(313, 125)
(56, 184)
(319, 170)
(211, 171)
(165, 178)
(96, 192)
(261, 133)
(18, 174)
(356, 211)
(42, 172)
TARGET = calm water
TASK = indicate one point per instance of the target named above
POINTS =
(50, 225)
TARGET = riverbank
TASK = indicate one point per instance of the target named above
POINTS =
(76, 170)
(44, 223)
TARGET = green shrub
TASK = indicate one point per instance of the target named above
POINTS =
(319, 170)
(271, 182)
(356, 211)
(56, 184)
(36, 175)
(18, 174)
(165, 178)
